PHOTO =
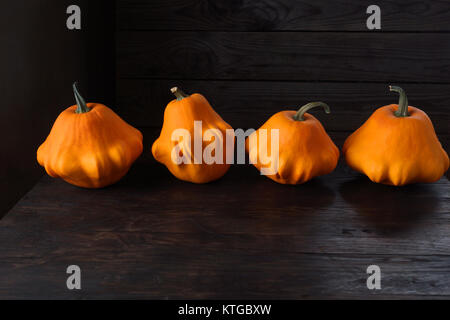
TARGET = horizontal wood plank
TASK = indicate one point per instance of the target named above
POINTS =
(283, 15)
(176, 273)
(308, 56)
(248, 104)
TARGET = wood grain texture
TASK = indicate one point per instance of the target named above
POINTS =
(244, 236)
(248, 104)
(281, 15)
(308, 56)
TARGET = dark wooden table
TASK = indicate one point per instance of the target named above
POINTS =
(154, 237)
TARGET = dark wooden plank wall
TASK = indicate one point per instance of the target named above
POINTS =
(254, 58)
(290, 15)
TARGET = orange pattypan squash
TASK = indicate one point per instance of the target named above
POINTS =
(187, 119)
(397, 145)
(89, 146)
(304, 148)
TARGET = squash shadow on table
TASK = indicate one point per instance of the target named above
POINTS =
(390, 209)
(267, 194)
(147, 173)
(285, 209)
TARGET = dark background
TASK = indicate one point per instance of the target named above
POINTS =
(249, 58)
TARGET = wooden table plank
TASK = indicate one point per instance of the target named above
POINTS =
(199, 274)
(244, 236)
(301, 56)
(281, 15)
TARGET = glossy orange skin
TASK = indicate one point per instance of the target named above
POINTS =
(397, 150)
(181, 115)
(90, 150)
(305, 149)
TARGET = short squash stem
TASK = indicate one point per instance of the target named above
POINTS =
(299, 116)
(402, 110)
(81, 104)
(179, 93)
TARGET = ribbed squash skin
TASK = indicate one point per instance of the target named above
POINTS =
(397, 150)
(305, 149)
(182, 115)
(90, 150)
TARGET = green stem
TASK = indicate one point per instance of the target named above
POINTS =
(402, 110)
(179, 93)
(81, 104)
(299, 115)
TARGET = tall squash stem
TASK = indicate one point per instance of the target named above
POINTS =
(299, 116)
(81, 104)
(179, 93)
(402, 110)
